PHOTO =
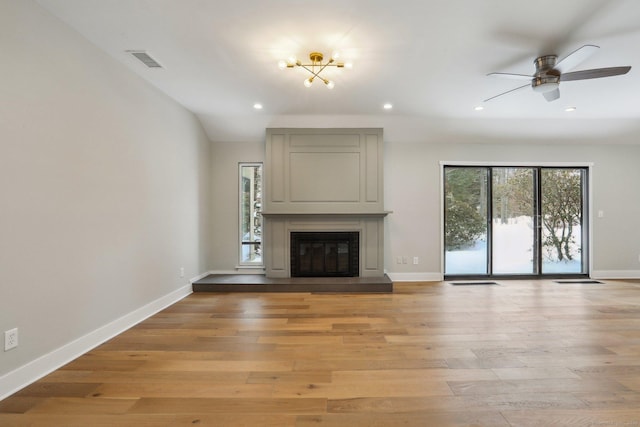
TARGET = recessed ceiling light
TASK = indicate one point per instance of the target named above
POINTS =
(257, 106)
(387, 106)
(570, 109)
(479, 108)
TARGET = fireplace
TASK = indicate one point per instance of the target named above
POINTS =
(325, 254)
(323, 206)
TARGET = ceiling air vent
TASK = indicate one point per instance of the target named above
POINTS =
(145, 58)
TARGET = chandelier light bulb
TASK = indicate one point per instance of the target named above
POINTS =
(348, 65)
(308, 82)
(282, 64)
(335, 55)
(330, 84)
(292, 60)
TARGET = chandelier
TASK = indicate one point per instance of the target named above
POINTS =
(315, 67)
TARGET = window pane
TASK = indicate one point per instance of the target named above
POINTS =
(465, 220)
(250, 216)
(562, 220)
(513, 221)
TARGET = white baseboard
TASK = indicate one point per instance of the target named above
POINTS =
(38, 368)
(615, 274)
(416, 277)
(200, 276)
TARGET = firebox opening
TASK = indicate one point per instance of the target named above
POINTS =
(325, 254)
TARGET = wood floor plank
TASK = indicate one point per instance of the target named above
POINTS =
(426, 375)
(148, 420)
(369, 364)
(18, 404)
(447, 419)
(400, 387)
(219, 365)
(526, 353)
(58, 389)
(183, 390)
(147, 377)
(228, 405)
(85, 406)
(524, 373)
(297, 376)
(555, 385)
(500, 402)
(574, 418)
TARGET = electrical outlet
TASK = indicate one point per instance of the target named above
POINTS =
(10, 339)
(416, 260)
(181, 271)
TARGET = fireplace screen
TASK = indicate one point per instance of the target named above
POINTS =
(325, 254)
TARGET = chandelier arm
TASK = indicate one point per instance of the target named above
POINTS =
(312, 72)
(311, 65)
(325, 66)
(317, 74)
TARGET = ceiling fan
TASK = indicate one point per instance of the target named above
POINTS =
(549, 73)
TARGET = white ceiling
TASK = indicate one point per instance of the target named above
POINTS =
(428, 58)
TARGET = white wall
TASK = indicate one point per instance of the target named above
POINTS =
(105, 192)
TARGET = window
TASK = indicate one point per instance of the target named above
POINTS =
(250, 216)
(523, 220)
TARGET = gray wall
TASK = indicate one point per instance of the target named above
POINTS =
(412, 192)
(412, 173)
(105, 186)
(224, 159)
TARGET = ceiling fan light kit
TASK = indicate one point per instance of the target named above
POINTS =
(315, 67)
(549, 73)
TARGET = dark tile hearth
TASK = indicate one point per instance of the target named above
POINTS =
(260, 283)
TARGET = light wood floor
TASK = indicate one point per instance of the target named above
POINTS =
(524, 353)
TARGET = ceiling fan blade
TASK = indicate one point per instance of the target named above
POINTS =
(552, 95)
(595, 73)
(572, 60)
(509, 91)
(511, 76)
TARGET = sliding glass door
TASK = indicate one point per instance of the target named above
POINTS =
(514, 221)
